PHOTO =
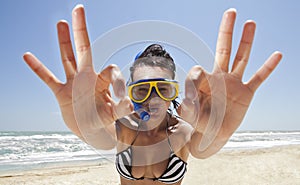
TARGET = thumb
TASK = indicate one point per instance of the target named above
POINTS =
(189, 111)
(123, 108)
(192, 82)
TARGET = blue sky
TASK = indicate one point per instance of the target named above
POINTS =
(28, 104)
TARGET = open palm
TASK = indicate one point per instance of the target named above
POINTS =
(217, 102)
(85, 100)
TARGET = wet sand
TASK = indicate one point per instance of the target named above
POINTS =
(277, 165)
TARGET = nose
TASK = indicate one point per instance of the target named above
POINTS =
(153, 98)
(153, 93)
(153, 101)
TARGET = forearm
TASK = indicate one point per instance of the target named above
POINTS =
(211, 135)
(100, 138)
(199, 148)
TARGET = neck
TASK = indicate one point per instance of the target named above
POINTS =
(153, 129)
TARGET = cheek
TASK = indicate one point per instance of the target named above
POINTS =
(165, 106)
(168, 104)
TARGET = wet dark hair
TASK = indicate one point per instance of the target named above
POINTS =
(155, 56)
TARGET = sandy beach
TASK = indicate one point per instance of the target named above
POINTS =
(277, 165)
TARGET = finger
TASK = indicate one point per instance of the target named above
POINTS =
(123, 108)
(198, 82)
(42, 71)
(189, 107)
(223, 48)
(267, 68)
(192, 82)
(66, 50)
(81, 38)
(188, 111)
(243, 53)
(112, 75)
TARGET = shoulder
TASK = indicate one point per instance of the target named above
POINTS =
(178, 125)
(126, 128)
(180, 129)
(126, 122)
(180, 136)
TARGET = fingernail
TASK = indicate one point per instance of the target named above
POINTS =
(27, 53)
(279, 54)
(230, 13)
(186, 104)
(231, 10)
(122, 93)
(190, 94)
(75, 10)
(78, 6)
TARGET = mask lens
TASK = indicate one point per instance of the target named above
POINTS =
(167, 89)
(140, 91)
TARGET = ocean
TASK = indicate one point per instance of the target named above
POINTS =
(21, 151)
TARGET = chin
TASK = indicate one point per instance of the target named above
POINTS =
(157, 116)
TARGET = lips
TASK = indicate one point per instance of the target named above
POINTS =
(153, 110)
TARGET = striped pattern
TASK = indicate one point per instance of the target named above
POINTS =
(123, 163)
(175, 170)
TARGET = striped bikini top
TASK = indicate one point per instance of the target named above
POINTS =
(174, 172)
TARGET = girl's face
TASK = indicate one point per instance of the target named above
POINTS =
(154, 105)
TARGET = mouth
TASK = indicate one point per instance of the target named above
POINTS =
(153, 110)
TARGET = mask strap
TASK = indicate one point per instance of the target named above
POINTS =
(138, 55)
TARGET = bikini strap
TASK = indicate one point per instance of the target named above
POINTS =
(137, 133)
(169, 142)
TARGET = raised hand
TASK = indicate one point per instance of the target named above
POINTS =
(82, 84)
(216, 103)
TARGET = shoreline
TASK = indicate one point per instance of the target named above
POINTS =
(275, 165)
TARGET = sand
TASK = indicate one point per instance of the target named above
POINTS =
(277, 165)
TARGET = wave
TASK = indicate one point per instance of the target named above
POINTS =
(255, 139)
(27, 150)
